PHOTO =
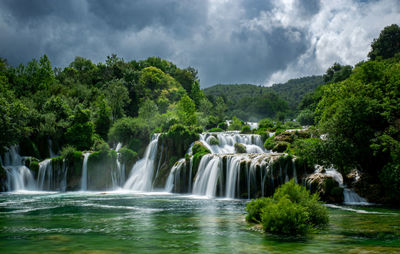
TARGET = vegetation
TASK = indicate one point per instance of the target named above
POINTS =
(292, 211)
(251, 102)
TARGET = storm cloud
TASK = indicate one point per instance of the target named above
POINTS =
(242, 41)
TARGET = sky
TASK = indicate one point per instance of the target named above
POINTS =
(238, 41)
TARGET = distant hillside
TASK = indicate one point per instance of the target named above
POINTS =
(247, 101)
(295, 89)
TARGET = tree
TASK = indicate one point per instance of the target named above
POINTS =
(102, 118)
(186, 111)
(387, 44)
(220, 108)
(117, 96)
(13, 119)
(337, 73)
(80, 133)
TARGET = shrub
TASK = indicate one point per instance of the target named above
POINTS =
(292, 210)
(127, 156)
(240, 148)
(222, 125)
(285, 217)
(254, 208)
(213, 141)
(68, 152)
(266, 123)
(246, 129)
(199, 147)
(215, 130)
(269, 143)
(280, 147)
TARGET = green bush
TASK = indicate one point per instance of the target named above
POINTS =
(127, 156)
(240, 148)
(222, 125)
(292, 210)
(254, 208)
(266, 123)
(269, 143)
(68, 152)
(99, 144)
(215, 130)
(246, 129)
(285, 217)
(213, 141)
(280, 147)
(198, 147)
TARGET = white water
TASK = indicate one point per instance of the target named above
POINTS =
(211, 168)
(19, 177)
(350, 197)
(141, 175)
(227, 141)
(169, 185)
(84, 172)
(51, 153)
(45, 175)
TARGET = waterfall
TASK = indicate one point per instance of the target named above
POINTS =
(18, 176)
(51, 153)
(227, 141)
(84, 172)
(234, 174)
(205, 183)
(169, 185)
(45, 175)
(352, 198)
(141, 175)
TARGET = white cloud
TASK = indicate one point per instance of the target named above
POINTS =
(341, 32)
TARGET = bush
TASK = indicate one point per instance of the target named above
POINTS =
(266, 123)
(254, 208)
(215, 130)
(285, 217)
(269, 143)
(99, 144)
(127, 156)
(280, 147)
(292, 210)
(240, 148)
(213, 141)
(222, 125)
(68, 152)
(246, 129)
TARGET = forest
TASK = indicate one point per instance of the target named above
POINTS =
(92, 107)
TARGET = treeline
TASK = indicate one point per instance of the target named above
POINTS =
(90, 106)
(252, 103)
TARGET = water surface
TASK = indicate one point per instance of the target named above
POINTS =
(85, 222)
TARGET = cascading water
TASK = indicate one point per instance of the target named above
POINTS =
(141, 175)
(84, 172)
(227, 173)
(45, 175)
(227, 141)
(19, 177)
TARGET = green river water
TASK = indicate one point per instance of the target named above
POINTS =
(160, 223)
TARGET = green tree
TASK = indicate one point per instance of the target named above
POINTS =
(102, 117)
(220, 108)
(118, 97)
(186, 111)
(337, 73)
(80, 133)
(387, 44)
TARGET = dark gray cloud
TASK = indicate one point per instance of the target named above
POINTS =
(242, 41)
